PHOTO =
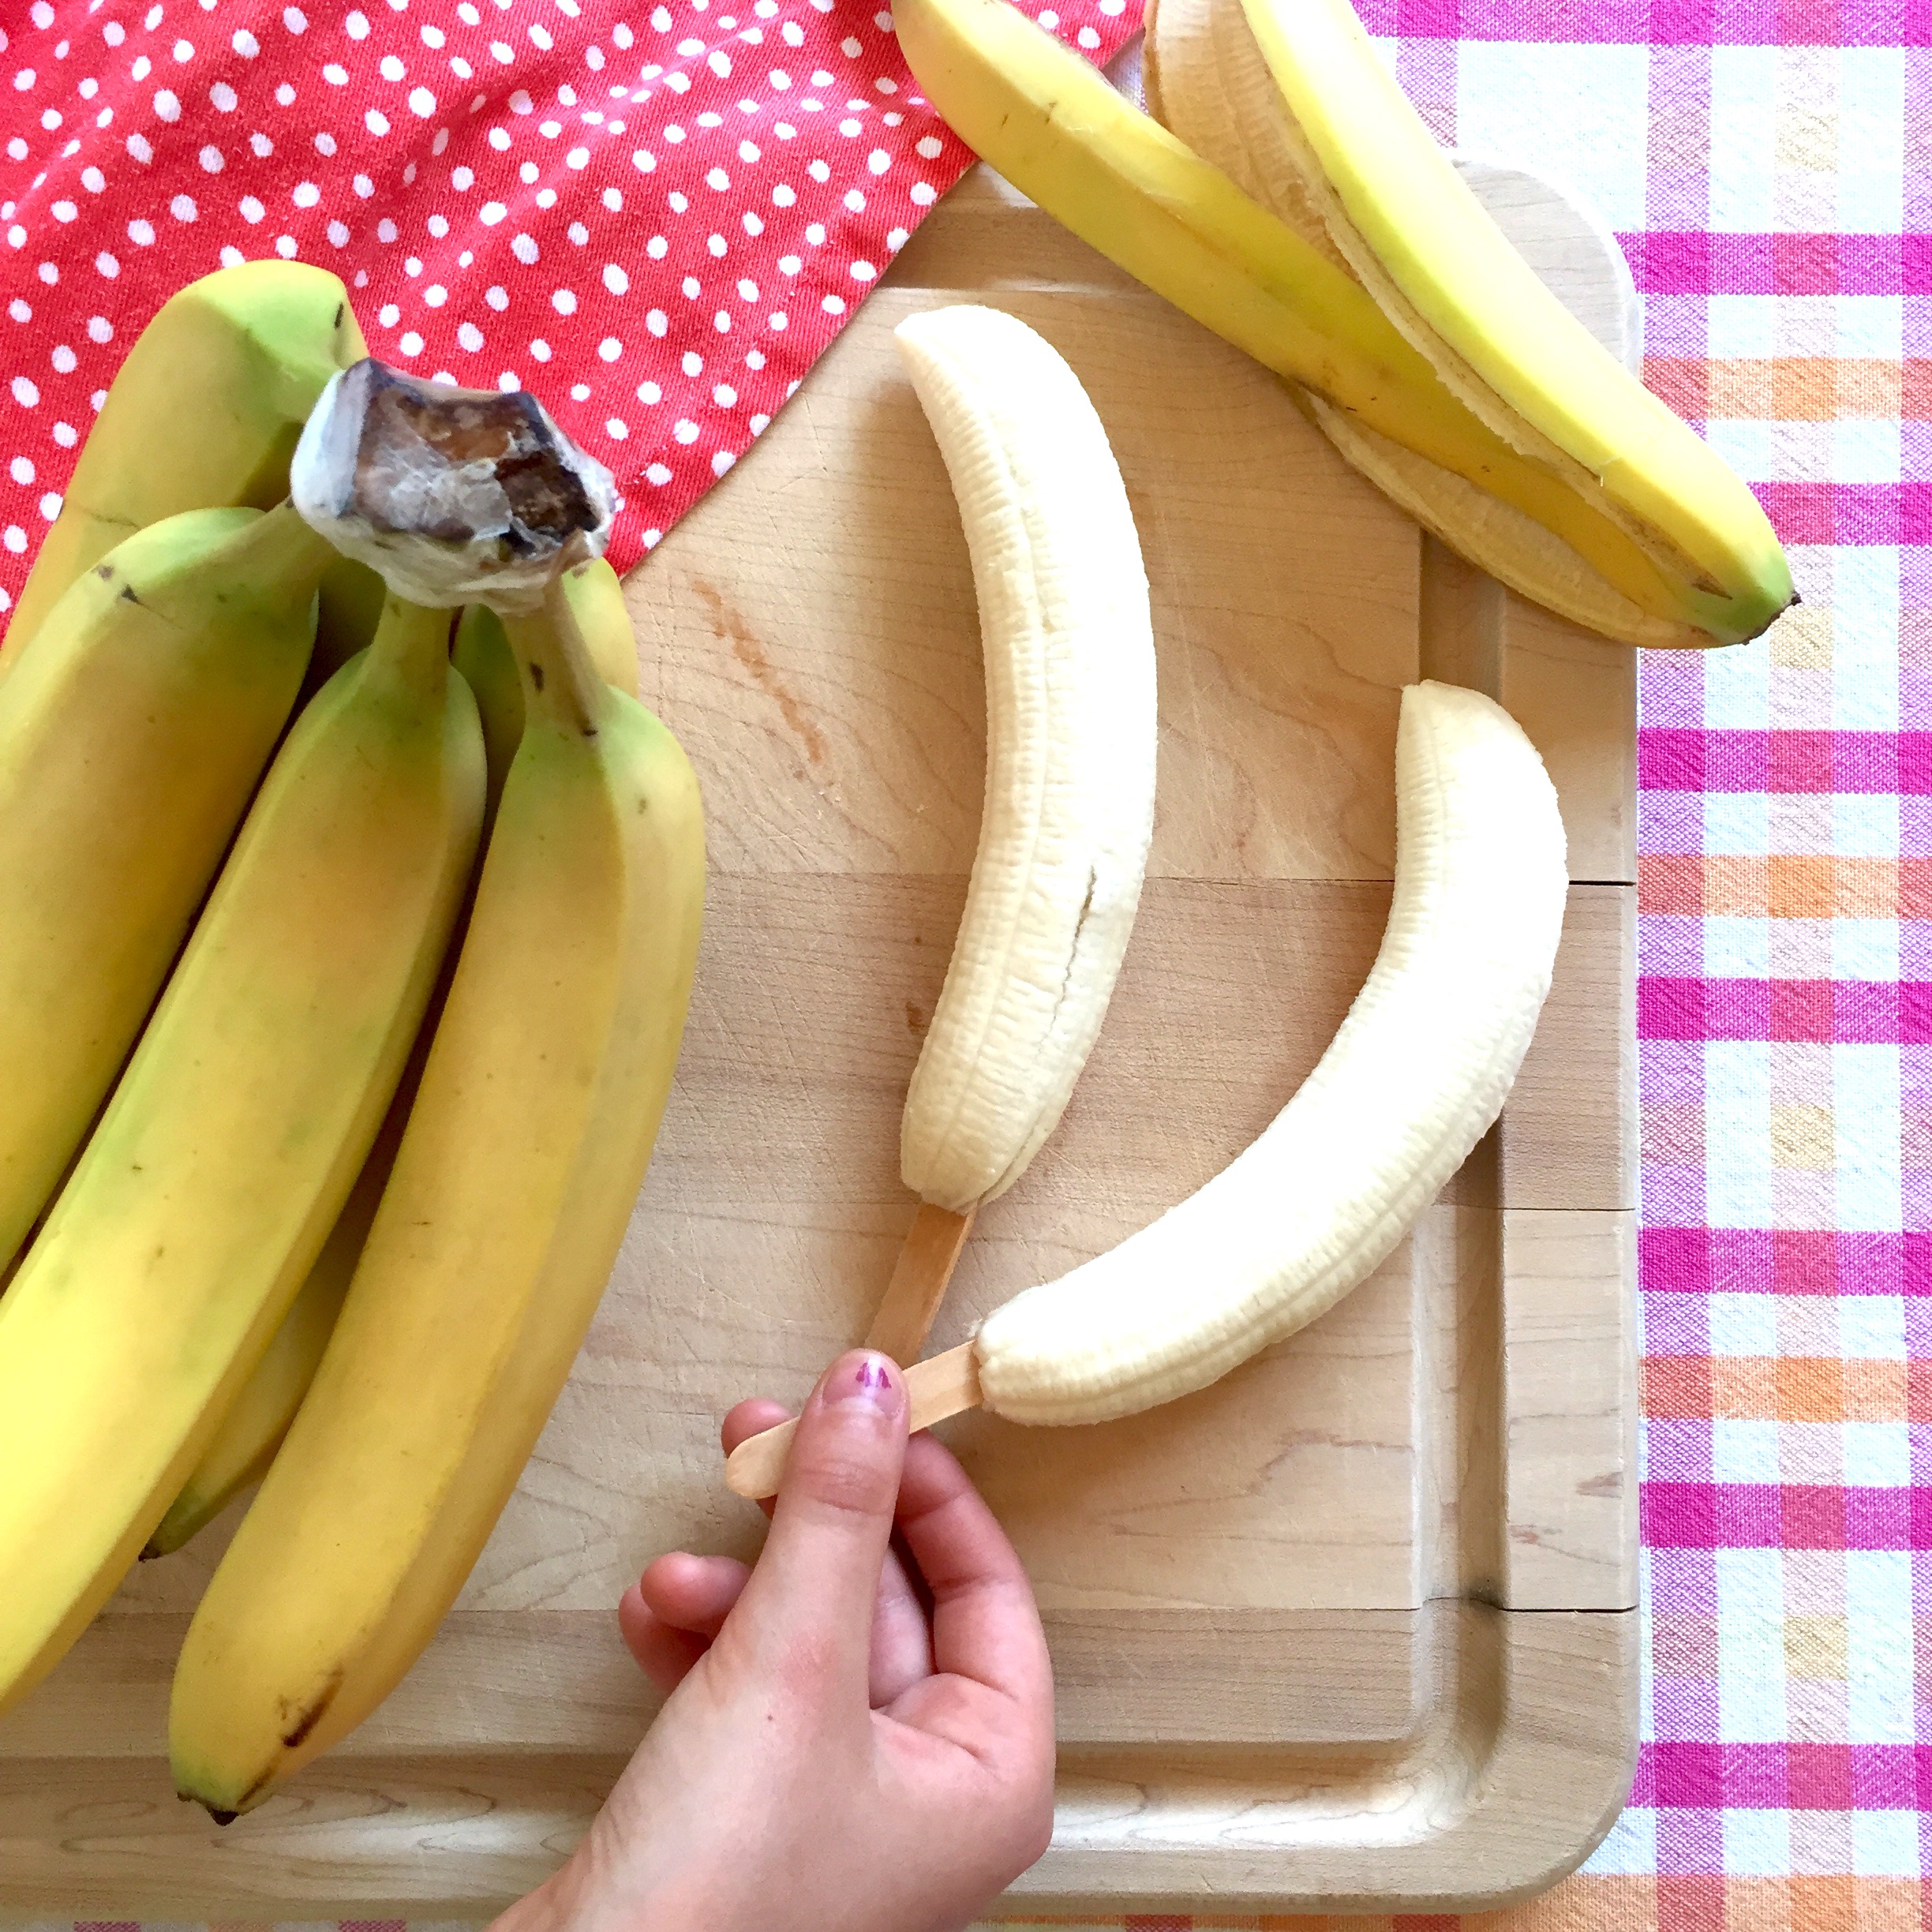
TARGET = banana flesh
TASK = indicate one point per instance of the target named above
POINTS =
(516, 1176)
(1414, 1078)
(1070, 756)
(203, 413)
(231, 1142)
(1054, 127)
(252, 1430)
(130, 741)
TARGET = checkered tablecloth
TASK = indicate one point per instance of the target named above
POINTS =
(1767, 164)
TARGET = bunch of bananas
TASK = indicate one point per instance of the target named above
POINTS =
(319, 1133)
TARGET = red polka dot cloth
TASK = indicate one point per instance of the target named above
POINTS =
(657, 216)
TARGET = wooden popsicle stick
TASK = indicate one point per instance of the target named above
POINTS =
(932, 1249)
(943, 1387)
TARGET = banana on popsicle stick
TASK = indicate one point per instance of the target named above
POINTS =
(1415, 1077)
(1068, 816)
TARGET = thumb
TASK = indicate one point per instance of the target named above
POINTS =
(818, 1578)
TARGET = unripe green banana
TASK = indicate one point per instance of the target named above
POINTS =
(203, 413)
(227, 1151)
(130, 741)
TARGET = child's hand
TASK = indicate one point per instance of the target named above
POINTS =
(830, 1757)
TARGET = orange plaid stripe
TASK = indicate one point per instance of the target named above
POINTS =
(1793, 388)
(1788, 885)
(1786, 1388)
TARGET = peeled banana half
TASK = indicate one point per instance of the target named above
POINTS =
(1373, 281)
(1415, 1076)
(1071, 736)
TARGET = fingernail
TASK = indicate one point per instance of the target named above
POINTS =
(866, 1378)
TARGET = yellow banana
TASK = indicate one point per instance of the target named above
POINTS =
(204, 412)
(252, 1428)
(227, 1149)
(1678, 536)
(516, 1176)
(484, 656)
(251, 1431)
(129, 743)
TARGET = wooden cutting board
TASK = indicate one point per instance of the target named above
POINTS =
(1352, 1630)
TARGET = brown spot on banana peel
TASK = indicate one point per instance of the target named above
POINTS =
(299, 1730)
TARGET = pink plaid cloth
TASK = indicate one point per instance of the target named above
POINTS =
(1768, 166)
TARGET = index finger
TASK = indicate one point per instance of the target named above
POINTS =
(985, 1623)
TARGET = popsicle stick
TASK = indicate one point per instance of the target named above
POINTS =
(932, 1248)
(941, 1388)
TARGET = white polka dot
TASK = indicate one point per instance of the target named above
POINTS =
(21, 469)
(725, 395)
(524, 249)
(657, 322)
(747, 290)
(470, 337)
(778, 319)
(286, 247)
(507, 381)
(137, 146)
(335, 74)
(411, 344)
(789, 264)
(224, 96)
(924, 193)
(262, 145)
(616, 428)
(141, 233)
(863, 271)
(24, 393)
(377, 121)
(339, 235)
(721, 461)
(657, 473)
(685, 430)
(649, 392)
(389, 315)
(66, 435)
(540, 349)
(563, 300)
(721, 322)
(93, 180)
(578, 233)
(497, 298)
(759, 425)
(105, 264)
(64, 360)
(1087, 38)
(295, 19)
(305, 194)
(385, 230)
(245, 44)
(422, 102)
(363, 186)
(854, 200)
(833, 305)
(931, 146)
(183, 53)
(491, 213)
(15, 538)
(878, 161)
(64, 211)
(435, 295)
(577, 157)
(610, 349)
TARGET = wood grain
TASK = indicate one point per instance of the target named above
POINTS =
(1348, 1630)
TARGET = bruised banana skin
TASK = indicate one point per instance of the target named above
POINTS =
(1206, 81)
(252, 1430)
(510, 1192)
(1414, 1078)
(1068, 814)
(1438, 268)
(203, 413)
(230, 1142)
(130, 741)
(1054, 127)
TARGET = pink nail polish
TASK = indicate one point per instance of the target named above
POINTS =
(866, 1378)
